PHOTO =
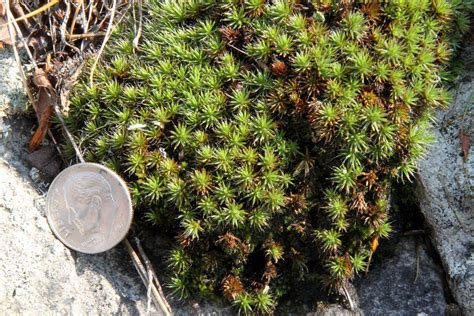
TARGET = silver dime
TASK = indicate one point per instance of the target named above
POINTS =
(89, 208)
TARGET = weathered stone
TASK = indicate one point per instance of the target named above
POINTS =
(39, 275)
(334, 310)
(390, 287)
(12, 97)
(446, 189)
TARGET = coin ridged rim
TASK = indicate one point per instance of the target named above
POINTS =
(116, 177)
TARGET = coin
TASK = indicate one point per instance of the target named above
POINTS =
(89, 208)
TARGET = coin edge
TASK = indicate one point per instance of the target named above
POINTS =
(129, 200)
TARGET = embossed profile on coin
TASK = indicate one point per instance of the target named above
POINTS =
(89, 208)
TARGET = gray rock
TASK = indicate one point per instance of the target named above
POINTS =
(38, 275)
(390, 287)
(12, 97)
(334, 310)
(445, 189)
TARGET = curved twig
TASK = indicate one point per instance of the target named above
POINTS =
(101, 50)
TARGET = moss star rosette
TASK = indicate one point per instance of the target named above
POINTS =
(262, 136)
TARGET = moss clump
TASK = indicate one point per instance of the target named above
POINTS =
(263, 136)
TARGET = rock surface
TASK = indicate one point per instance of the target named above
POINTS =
(38, 275)
(446, 189)
(12, 97)
(393, 286)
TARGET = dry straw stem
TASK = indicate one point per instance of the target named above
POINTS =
(144, 271)
(348, 296)
(138, 30)
(17, 56)
(33, 13)
(106, 38)
(163, 303)
(74, 37)
(37, 11)
(73, 23)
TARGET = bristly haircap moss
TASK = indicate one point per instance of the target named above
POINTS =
(261, 137)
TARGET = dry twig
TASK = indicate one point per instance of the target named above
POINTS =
(164, 303)
(37, 11)
(18, 60)
(13, 24)
(74, 18)
(138, 31)
(107, 36)
(142, 270)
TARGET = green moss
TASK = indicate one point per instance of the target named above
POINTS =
(262, 137)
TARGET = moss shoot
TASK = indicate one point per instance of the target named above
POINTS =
(261, 137)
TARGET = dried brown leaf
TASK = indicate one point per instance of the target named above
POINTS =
(43, 107)
(41, 80)
(374, 243)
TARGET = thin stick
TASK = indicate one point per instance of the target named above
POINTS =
(87, 22)
(35, 12)
(73, 23)
(62, 27)
(85, 35)
(138, 33)
(18, 10)
(368, 262)
(136, 262)
(68, 134)
(64, 101)
(18, 60)
(148, 292)
(53, 33)
(11, 21)
(56, 145)
(158, 300)
(150, 268)
(107, 36)
(134, 18)
(258, 61)
(346, 293)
